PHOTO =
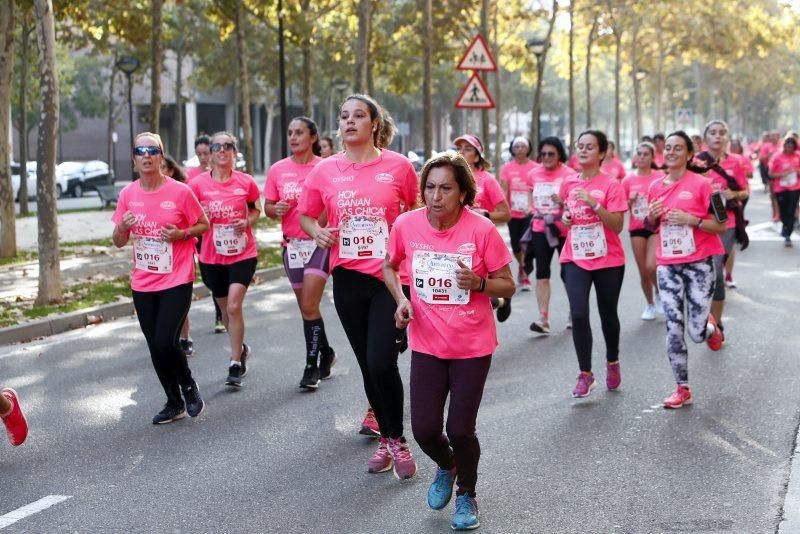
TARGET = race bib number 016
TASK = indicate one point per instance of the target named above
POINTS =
(299, 251)
(363, 238)
(435, 277)
(589, 241)
(639, 207)
(226, 240)
(790, 180)
(677, 240)
(152, 255)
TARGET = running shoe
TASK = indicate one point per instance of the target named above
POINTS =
(503, 309)
(15, 422)
(649, 313)
(441, 490)
(310, 378)
(613, 375)
(245, 356)
(219, 327)
(466, 515)
(729, 283)
(787, 242)
(234, 375)
(194, 403)
(659, 306)
(540, 327)
(381, 461)
(681, 397)
(169, 414)
(327, 359)
(187, 346)
(526, 284)
(714, 340)
(584, 385)
(404, 465)
(369, 426)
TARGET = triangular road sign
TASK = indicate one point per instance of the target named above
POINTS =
(475, 95)
(477, 56)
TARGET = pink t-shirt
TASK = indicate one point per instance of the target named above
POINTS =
(225, 203)
(363, 200)
(545, 182)
(638, 184)
(573, 163)
(614, 168)
(516, 177)
(691, 194)
(658, 159)
(449, 331)
(193, 172)
(159, 265)
(746, 163)
(781, 163)
(593, 236)
(735, 169)
(285, 181)
(490, 194)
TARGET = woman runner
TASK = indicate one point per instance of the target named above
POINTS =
(326, 145)
(228, 254)
(783, 169)
(458, 260)
(515, 177)
(162, 216)
(305, 263)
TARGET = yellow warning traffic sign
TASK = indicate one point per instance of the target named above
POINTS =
(475, 95)
(477, 56)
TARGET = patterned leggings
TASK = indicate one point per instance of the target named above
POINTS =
(694, 283)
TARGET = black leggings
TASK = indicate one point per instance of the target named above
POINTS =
(161, 315)
(607, 285)
(366, 311)
(432, 380)
(516, 229)
(540, 250)
(787, 205)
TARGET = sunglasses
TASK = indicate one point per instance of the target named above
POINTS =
(149, 150)
(548, 154)
(216, 147)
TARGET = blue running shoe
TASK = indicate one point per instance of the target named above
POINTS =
(466, 514)
(441, 489)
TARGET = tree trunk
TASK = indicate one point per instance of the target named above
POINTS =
(589, 74)
(362, 45)
(370, 62)
(23, 117)
(110, 124)
(49, 267)
(175, 149)
(244, 83)
(571, 78)
(617, 67)
(427, 78)
(8, 230)
(498, 100)
(637, 104)
(659, 107)
(268, 133)
(540, 64)
(485, 112)
(155, 72)
(306, 50)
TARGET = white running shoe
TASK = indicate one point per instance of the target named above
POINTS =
(649, 313)
(659, 306)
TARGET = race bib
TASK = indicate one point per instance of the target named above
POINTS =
(363, 238)
(790, 180)
(519, 201)
(435, 277)
(639, 208)
(227, 242)
(543, 196)
(299, 251)
(677, 240)
(588, 241)
(152, 254)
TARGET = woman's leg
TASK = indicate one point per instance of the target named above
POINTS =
(579, 284)
(698, 279)
(146, 304)
(607, 286)
(173, 306)
(430, 385)
(639, 245)
(544, 257)
(671, 288)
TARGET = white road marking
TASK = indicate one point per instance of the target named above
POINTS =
(29, 509)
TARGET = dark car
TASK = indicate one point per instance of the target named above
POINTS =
(82, 175)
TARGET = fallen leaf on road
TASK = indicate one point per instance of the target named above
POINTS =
(94, 319)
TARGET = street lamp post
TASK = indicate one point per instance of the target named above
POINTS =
(128, 65)
(282, 83)
(537, 46)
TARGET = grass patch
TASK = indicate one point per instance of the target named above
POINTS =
(68, 210)
(83, 295)
(22, 256)
(104, 242)
(269, 257)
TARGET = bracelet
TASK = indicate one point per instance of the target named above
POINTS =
(699, 222)
(482, 286)
(488, 215)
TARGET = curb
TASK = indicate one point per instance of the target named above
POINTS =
(98, 314)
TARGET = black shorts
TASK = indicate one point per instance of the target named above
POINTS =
(516, 229)
(220, 277)
(641, 232)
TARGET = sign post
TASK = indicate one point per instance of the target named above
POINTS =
(477, 58)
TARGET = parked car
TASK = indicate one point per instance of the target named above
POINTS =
(15, 170)
(75, 177)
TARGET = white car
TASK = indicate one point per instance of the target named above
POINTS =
(15, 170)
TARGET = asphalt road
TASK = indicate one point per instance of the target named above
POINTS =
(271, 458)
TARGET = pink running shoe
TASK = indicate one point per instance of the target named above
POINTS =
(369, 426)
(526, 283)
(404, 465)
(681, 397)
(613, 375)
(381, 461)
(714, 341)
(584, 385)
(15, 422)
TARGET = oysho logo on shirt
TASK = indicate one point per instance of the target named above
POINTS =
(596, 193)
(343, 179)
(167, 205)
(467, 248)
(136, 204)
(420, 246)
(384, 178)
(685, 195)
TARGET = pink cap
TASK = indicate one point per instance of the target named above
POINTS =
(471, 140)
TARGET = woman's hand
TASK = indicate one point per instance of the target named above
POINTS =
(240, 225)
(171, 233)
(584, 195)
(325, 237)
(676, 216)
(566, 218)
(281, 207)
(404, 314)
(128, 220)
(655, 210)
(466, 278)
